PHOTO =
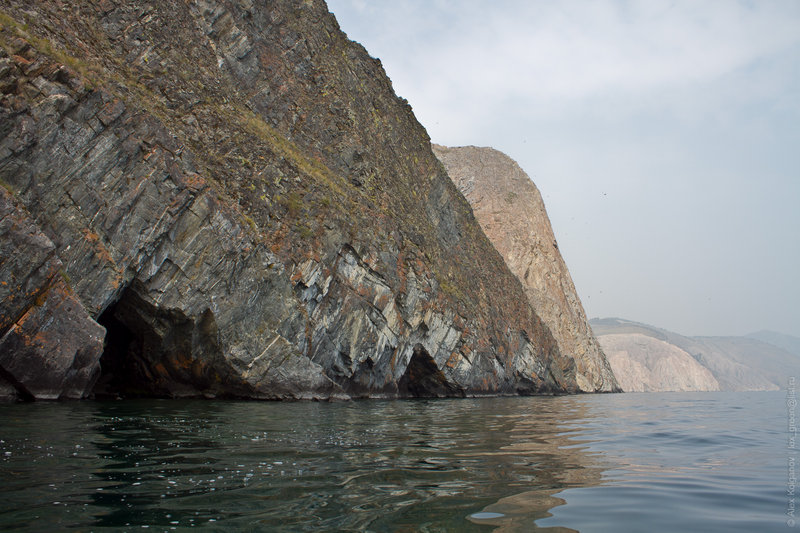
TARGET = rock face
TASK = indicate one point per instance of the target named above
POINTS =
(50, 346)
(736, 363)
(235, 196)
(645, 364)
(511, 212)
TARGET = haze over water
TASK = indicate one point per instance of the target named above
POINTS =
(632, 462)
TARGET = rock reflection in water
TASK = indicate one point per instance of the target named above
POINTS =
(407, 465)
(548, 439)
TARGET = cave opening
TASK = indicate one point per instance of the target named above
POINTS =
(424, 379)
(123, 369)
(154, 352)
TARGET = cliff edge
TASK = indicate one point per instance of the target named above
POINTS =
(511, 212)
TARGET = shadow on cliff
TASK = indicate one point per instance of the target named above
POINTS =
(423, 379)
(152, 352)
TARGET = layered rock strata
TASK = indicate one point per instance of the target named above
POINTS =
(50, 347)
(511, 212)
(233, 193)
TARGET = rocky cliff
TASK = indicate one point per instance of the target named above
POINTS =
(734, 363)
(644, 364)
(511, 212)
(211, 197)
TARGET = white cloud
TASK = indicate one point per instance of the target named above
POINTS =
(462, 63)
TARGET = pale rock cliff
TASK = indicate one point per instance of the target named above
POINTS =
(511, 212)
(232, 201)
(736, 363)
(644, 364)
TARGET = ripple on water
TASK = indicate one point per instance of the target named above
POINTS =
(708, 462)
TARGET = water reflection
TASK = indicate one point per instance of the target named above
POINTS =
(547, 441)
(379, 466)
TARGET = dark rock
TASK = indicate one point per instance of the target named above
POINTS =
(239, 197)
(49, 346)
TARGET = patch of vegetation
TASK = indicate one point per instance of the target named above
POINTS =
(245, 163)
(65, 277)
(287, 149)
(90, 73)
(7, 187)
(304, 231)
(450, 288)
(250, 222)
(294, 203)
(7, 21)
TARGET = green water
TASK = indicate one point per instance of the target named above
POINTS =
(589, 463)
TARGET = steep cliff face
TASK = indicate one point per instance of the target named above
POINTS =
(50, 344)
(511, 212)
(235, 194)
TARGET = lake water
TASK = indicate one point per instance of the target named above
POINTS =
(623, 462)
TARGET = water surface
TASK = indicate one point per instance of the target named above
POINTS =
(628, 462)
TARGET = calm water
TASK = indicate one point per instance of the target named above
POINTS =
(626, 462)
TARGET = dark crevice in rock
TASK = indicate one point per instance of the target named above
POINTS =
(20, 391)
(118, 357)
(423, 379)
(151, 352)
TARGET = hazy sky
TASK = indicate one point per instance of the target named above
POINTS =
(663, 135)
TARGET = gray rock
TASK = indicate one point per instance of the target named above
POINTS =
(49, 346)
(238, 196)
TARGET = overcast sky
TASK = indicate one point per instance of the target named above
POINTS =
(663, 135)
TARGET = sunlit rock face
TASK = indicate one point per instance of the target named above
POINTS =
(228, 199)
(645, 364)
(645, 357)
(511, 212)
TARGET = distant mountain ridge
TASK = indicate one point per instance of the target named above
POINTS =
(736, 363)
(789, 343)
(643, 363)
